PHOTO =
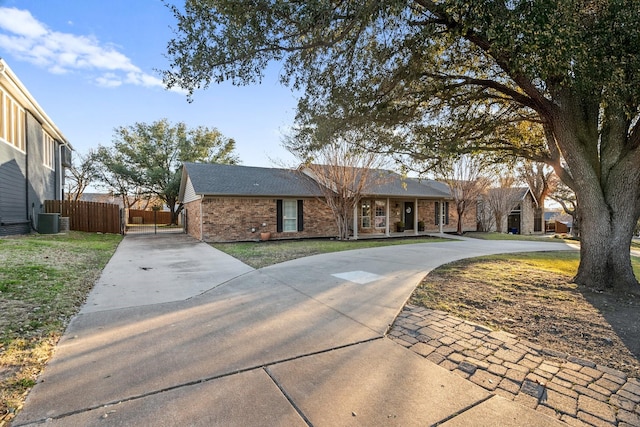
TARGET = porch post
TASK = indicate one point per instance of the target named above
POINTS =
(441, 216)
(355, 221)
(415, 217)
(386, 231)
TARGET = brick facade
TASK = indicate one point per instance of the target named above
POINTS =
(229, 219)
(192, 210)
(427, 213)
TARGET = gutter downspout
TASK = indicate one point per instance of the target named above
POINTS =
(201, 228)
(441, 216)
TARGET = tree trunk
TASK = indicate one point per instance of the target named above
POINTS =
(605, 260)
(607, 213)
(575, 226)
(498, 217)
(171, 204)
(460, 225)
(603, 172)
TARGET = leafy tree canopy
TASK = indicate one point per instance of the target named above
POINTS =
(430, 78)
(150, 156)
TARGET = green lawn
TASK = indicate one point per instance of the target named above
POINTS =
(262, 254)
(44, 279)
(505, 236)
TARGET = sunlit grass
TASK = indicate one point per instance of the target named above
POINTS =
(505, 236)
(44, 279)
(508, 275)
(262, 254)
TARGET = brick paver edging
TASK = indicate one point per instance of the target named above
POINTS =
(573, 390)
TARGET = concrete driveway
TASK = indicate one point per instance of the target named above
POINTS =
(177, 333)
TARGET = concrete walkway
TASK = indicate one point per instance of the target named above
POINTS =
(177, 333)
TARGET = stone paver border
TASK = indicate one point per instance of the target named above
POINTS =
(576, 391)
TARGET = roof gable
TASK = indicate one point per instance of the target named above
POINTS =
(233, 180)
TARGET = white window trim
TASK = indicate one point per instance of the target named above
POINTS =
(8, 103)
(48, 150)
(384, 206)
(363, 216)
(288, 220)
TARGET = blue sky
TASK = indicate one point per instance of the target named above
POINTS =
(91, 65)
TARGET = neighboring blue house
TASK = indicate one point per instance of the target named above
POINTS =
(33, 155)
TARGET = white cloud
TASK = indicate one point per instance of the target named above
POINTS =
(21, 22)
(27, 39)
(109, 80)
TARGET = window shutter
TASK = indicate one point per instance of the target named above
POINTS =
(300, 216)
(446, 213)
(437, 211)
(279, 216)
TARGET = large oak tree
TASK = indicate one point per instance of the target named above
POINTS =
(149, 158)
(450, 76)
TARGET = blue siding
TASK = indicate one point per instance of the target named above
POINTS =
(42, 180)
(21, 200)
(13, 189)
(25, 182)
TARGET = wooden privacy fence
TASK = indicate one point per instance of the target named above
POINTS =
(87, 216)
(137, 216)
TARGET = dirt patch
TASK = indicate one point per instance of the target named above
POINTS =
(541, 305)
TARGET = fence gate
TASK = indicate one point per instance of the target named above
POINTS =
(152, 222)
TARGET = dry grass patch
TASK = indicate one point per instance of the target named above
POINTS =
(531, 296)
(43, 282)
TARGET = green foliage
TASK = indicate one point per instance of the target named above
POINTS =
(423, 81)
(147, 158)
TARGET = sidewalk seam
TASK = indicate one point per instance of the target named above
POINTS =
(461, 411)
(196, 382)
(289, 398)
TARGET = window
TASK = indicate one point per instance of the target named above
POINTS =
(381, 214)
(48, 150)
(289, 217)
(438, 213)
(366, 214)
(537, 220)
(11, 122)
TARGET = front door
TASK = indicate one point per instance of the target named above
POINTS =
(408, 215)
(513, 224)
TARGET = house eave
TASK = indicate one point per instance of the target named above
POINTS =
(21, 94)
(260, 196)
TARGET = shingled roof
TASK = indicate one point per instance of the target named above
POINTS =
(386, 183)
(233, 180)
(392, 184)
